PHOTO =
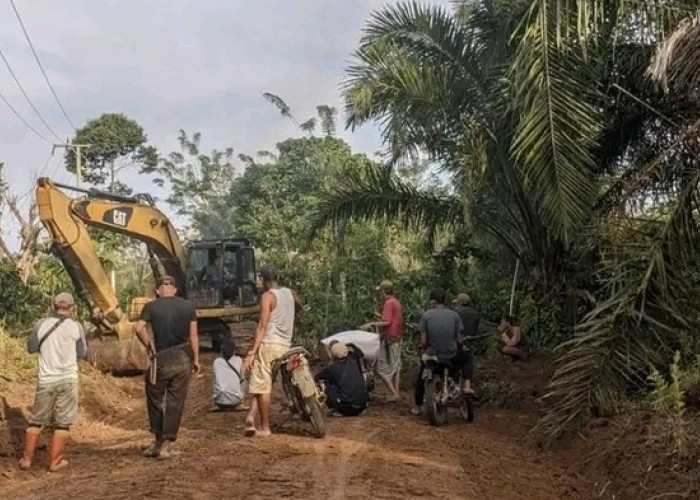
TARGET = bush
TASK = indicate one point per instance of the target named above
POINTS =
(19, 302)
(17, 363)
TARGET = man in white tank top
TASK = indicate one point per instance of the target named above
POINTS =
(273, 338)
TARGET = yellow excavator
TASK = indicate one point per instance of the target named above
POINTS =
(217, 275)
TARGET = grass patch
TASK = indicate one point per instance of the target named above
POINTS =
(16, 364)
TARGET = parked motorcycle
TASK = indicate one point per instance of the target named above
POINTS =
(304, 396)
(443, 390)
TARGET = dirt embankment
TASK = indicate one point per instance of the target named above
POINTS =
(385, 453)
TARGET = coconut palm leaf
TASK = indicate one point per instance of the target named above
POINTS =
(676, 61)
(646, 310)
(374, 193)
(559, 103)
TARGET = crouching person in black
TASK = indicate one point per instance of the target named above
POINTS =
(346, 391)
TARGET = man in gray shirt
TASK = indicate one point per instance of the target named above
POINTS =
(441, 332)
(60, 342)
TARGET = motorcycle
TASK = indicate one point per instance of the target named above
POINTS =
(303, 395)
(362, 364)
(443, 390)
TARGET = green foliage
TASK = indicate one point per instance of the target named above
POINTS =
(116, 142)
(667, 402)
(667, 397)
(542, 115)
(200, 185)
(17, 364)
(20, 303)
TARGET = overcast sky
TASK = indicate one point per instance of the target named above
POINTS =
(197, 65)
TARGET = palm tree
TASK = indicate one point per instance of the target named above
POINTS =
(542, 114)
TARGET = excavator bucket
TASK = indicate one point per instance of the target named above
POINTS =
(118, 356)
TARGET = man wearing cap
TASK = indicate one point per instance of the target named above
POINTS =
(174, 354)
(346, 391)
(273, 338)
(468, 315)
(391, 336)
(60, 342)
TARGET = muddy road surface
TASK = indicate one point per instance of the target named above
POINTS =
(385, 453)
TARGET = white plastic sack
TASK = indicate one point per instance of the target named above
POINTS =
(367, 342)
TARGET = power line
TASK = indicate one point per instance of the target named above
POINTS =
(14, 77)
(46, 163)
(38, 61)
(26, 123)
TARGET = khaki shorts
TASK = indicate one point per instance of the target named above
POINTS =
(55, 404)
(261, 377)
(389, 362)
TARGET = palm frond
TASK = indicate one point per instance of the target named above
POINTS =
(560, 118)
(417, 73)
(646, 309)
(676, 61)
(374, 193)
(281, 106)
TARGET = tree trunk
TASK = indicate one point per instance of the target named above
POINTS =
(29, 237)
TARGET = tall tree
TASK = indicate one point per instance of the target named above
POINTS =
(28, 223)
(115, 142)
(199, 185)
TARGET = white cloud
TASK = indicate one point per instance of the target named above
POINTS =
(201, 66)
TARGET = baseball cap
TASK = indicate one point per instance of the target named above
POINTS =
(384, 285)
(64, 299)
(268, 272)
(166, 280)
(463, 298)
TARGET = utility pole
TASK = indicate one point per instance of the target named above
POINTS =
(78, 158)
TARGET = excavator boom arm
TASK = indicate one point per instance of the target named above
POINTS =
(67, 219)
(74, 247)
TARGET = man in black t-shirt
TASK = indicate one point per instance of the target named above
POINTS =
(468, 315)
(346, 391)
(174, 357)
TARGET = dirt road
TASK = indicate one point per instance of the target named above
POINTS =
(385, 453)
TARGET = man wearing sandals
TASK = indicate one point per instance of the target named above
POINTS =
(60, 341)
(273, 338)
(174, 358)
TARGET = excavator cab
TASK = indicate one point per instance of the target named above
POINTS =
(221, 273)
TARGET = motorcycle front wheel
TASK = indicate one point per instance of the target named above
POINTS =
(316, 416)
(437, 412)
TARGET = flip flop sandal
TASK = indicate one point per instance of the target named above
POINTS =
(24, 464)
(249, 432)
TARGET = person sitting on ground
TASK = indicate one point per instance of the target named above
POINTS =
(229, 383)
(346, 391)
(441, 332)
(513, 340)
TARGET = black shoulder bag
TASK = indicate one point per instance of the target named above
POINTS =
(51, 330)
(241, 379)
